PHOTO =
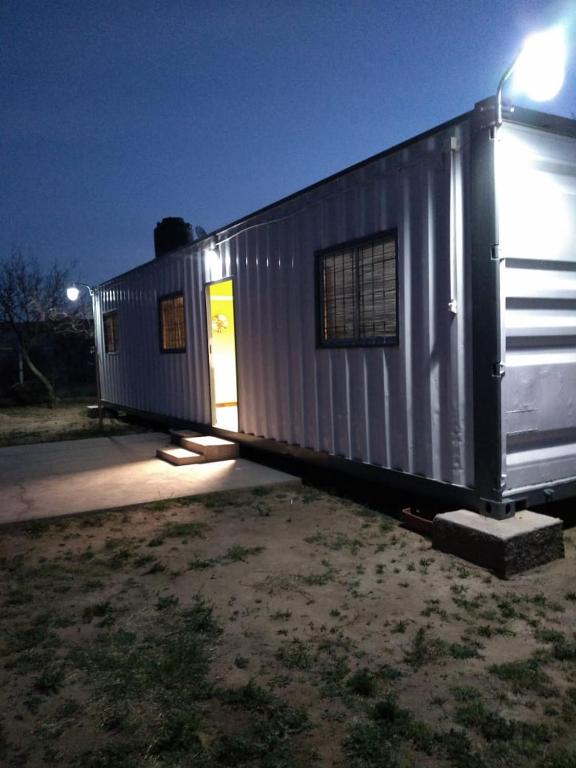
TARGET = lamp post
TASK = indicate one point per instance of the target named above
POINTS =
(73, 293)
(539, 69)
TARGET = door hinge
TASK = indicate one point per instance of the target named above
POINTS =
(496, 252)
(498, 370)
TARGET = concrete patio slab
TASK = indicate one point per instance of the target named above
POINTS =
(52, 479)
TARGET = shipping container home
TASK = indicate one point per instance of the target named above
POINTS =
(411, 318)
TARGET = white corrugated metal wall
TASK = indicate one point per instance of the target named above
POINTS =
(139, 376)
(536, 183)
(407, 407)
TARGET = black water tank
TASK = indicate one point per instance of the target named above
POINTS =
(170, 234)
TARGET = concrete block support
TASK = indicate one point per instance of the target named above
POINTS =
(506, 547)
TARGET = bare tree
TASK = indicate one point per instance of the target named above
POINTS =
(33, 304)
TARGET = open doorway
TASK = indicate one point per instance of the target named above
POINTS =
(222, 354)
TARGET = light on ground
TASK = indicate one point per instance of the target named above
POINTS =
(541, 66)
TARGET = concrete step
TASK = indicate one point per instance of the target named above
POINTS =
(212, 448)
(176, 455)
(176, 435)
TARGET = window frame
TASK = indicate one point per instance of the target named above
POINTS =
(166, 297)
(355, 246)
(105, 315)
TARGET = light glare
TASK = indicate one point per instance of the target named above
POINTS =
(72, 293)
(541, 67)
(534, 219)
(213, 264)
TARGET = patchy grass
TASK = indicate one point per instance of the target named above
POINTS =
(21, 425)
(275, 628)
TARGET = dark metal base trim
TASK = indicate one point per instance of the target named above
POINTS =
(304, 460)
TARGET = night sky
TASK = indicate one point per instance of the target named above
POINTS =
(118, 113)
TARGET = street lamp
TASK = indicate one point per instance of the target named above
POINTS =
(73, 292)
(539, 69)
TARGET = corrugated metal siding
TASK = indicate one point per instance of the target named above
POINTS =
(407, 407)
(536, 173)
(140, 376)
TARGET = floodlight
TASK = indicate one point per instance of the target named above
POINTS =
(539, 69)
(72, 293)
(541, 66)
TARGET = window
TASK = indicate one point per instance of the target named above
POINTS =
(357, 289)
(172, 323)
(110, 320)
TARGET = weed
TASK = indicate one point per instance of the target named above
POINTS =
(465, 693)
(565, 650)
(50, 680)
(363, 683)
(295, 655)
(333, 669)
(261, 491)
(488, 631)
(389, 674)
(143, 560)
(425, 563)
(382, 741)
(562, 758)
(156, 680)
(319, 579)
(399, 627)
(569, 706)
(459, 750)
(25, 638)
(471, 606)
(88, 554)
(119, 558)
(265, 741)
(386, 527)
(547, 635)
(237, 553)
(178, 733)
(159, 506)
(37, 528)
(98, 610)
(166, 602)
(19, 596)
(424, 650)
(336, 542)
(524, 676)
(200, 564)
(281, 615)
(460, 651)
(475, 715)
(156, 567)
(433, 607)
(178, 531)
(542, 602)
(219, 500)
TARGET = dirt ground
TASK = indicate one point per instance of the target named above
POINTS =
(276, 628)
(21, 425)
